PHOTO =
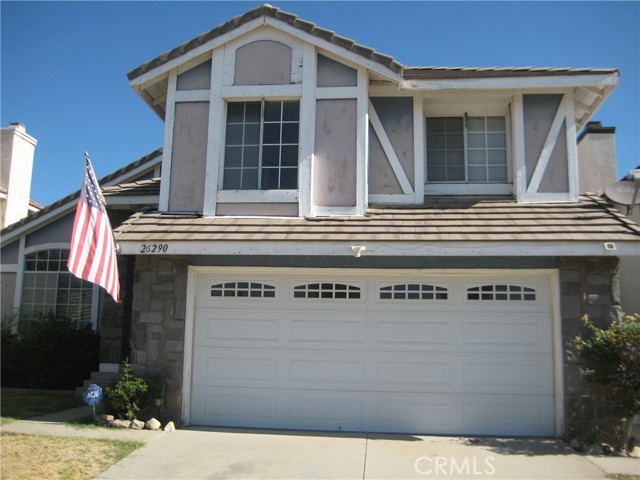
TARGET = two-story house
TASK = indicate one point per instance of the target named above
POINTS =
(342, 242)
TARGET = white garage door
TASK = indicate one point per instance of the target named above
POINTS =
(448, 354)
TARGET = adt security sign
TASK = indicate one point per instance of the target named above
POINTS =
(92, 395)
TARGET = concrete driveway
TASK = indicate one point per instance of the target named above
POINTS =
(198, 453)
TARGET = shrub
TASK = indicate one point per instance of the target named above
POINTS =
(127, 395)
(612, 360)
(48, 353)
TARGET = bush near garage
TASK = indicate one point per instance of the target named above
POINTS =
(611, 359)
(48, 353)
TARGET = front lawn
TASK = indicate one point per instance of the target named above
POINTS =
(47, 457)
(24, 404)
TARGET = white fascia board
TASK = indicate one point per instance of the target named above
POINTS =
(382, 249)
(551, 81)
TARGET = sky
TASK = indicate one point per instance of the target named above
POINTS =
(63, 65)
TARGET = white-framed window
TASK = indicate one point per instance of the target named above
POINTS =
(413, 291)
(502, 293)
(48, 288)
(469, 149)
(327, 291)
(261, 145)
(243, 290)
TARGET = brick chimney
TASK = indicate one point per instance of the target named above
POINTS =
(16, 166)
(597, 157)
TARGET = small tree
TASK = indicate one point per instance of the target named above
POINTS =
(612, 359)
(127, 394)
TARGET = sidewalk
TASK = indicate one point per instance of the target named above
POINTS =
(233, 453)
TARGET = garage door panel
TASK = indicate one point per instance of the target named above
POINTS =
(504, 415)
(509, 332)
(516, 373)
(412, 329)
(423, 375)
(216, 367)
(216, 327)
(329, 372)
(234, 407)
(318, 327)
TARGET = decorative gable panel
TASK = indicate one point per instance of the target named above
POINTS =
(263, 62)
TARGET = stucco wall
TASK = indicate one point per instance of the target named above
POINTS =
(335, 74)
(334, 176)
(197, 78)
(263, 62)
(597, 161)
(58, 231)
(539, 112)
(188, 157)
(9, 253)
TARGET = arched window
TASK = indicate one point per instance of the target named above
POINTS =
(48, 288)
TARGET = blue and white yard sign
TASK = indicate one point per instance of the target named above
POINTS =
(92, 395)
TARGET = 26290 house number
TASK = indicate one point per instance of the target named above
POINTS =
(154, 248)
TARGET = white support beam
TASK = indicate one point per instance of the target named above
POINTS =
(362, 142)
(215, 132)
(307, 130)
(519, 150)
(419, 148)
(168, 142)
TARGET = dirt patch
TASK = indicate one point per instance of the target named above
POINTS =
(44, 457)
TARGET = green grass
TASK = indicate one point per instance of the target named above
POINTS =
(21, 405)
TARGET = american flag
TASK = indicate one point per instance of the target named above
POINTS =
(93, 249)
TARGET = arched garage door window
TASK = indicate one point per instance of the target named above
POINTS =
(49, 289)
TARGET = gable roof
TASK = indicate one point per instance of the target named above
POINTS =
(498, 222)
(67, 204)
(277, 14)
(592, 85)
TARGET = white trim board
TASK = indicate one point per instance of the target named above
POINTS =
(385, 249)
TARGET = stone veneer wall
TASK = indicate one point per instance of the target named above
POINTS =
(113, 316)
(588, 286)
(158, 325)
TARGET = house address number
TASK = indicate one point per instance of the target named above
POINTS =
(154, 247)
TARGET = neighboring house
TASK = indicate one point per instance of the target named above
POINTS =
(16, 159)
(341, 242)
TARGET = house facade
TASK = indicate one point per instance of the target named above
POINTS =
(340, 242)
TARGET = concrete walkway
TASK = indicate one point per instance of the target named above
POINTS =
(198, 453)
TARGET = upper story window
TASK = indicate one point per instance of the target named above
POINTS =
(261, 146)
(466, 149)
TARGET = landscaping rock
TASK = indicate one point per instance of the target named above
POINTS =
(152, 424)
(121, 423)
(594, 450)
(106, 418)
(169, 427)
(137, 424)
(575, 444)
